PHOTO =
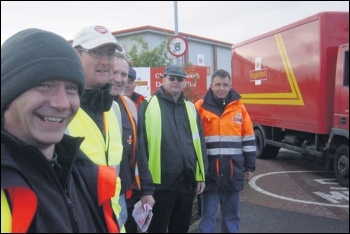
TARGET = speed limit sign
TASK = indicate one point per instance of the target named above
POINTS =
(177, 46)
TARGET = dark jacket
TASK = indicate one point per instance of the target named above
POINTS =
(66, 191)
(137, 98)
(127, 171)
(96, 101)
(178, 156)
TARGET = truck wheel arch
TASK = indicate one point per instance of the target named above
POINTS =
(335, 136)
(259, 139)
(341, 165)
(264, 151)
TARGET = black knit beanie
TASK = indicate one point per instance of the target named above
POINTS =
(33, 56)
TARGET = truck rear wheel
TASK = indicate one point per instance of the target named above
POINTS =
(341, 165)
(267, 151)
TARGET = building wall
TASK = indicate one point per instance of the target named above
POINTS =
(224, 59)
(201, 51)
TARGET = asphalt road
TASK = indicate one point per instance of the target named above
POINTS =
(262, 219)
(292, 195)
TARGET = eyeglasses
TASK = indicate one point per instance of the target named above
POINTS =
(98, 54)
(178, 78)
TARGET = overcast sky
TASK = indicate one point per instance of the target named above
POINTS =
(226, 21)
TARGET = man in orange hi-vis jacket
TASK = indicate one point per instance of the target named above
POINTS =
(231, 151)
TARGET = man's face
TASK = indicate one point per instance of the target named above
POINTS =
(120, 76)
(220, 86)
(129, 87)
(40, 115)
(174, 85)
(98, 71)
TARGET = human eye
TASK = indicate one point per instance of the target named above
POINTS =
(72, 88)
(97, 53)
(111, 54)
(44, 86)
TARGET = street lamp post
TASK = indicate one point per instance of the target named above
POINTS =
(176, 27)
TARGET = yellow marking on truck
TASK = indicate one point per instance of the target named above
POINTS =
(291, 98)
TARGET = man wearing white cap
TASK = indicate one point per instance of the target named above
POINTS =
(98, 119)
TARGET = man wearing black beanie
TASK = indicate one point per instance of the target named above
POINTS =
(26, 63)
(98, 119)
(47, 184)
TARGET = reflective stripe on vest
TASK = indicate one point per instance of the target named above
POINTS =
(190, 107)
(154, 126)
(18, 218)
(131, 110)
(6, 217)
(106, 190)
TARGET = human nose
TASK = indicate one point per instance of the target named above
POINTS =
(117, 77)
(59, 99)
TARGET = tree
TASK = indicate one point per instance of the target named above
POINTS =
(141, 56)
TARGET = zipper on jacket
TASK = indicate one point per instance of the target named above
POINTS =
(70, 204)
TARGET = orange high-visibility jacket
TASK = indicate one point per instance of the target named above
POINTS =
(230, 142)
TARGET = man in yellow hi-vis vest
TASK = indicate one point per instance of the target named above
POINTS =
(176, 152)
(98, 119)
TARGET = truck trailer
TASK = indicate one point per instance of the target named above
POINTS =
(294, 82)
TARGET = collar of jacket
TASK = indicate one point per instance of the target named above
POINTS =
(67, 149)
(162, 93)
(231, 97)
(98, 100)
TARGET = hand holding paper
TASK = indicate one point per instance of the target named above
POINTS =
(142, 215)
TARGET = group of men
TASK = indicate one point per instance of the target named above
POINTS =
(79, 147)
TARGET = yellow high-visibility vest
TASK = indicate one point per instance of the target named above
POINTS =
(154, 135)
(6, 217)
(102, 150)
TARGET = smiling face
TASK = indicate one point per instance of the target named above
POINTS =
(98, 71)
(129, 87)
(120, 76)
(220, 86)
(40, 115)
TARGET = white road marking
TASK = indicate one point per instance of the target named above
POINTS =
(252, 184)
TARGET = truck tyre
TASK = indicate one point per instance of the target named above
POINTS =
(264, 152)
(341, 165)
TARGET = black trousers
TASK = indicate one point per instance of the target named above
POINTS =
(172, 210)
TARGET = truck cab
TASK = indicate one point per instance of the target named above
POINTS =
(339, 138)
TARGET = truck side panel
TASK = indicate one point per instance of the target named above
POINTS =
(286, 77)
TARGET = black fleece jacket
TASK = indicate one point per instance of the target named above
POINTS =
(66, 191)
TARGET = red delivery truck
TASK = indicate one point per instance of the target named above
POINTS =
(294, 82)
